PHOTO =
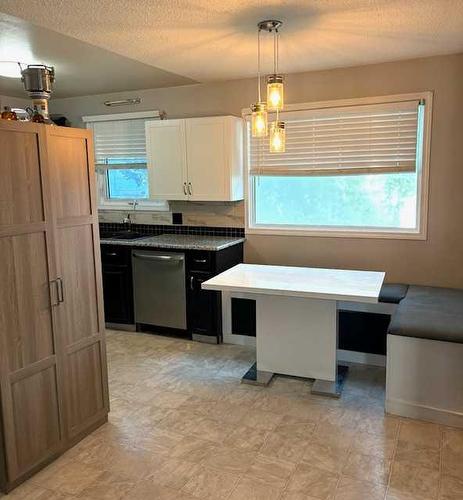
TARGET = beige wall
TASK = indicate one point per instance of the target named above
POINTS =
(436, 261)
(14, 102)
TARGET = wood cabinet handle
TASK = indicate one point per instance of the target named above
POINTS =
(190, 188)
(184, 189)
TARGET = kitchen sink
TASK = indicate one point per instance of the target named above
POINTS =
(123, 235)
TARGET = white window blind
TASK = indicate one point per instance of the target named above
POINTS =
(355, 139)
(120, 143)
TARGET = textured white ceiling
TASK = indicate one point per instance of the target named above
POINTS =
(82, 69)
(216, 39)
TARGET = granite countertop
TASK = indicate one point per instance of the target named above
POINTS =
(179, 241)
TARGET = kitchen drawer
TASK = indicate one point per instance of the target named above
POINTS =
(198, 260)
(115, 255)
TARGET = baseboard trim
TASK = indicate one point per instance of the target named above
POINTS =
(231, 338)
(423, 412)
(362, 358)
(205, 339)
(121, 326)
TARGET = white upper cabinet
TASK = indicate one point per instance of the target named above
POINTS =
(166, 159)
(197, 159)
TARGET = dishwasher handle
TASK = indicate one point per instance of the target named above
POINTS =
(163, 258)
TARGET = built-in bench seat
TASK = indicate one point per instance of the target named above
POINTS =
(430, 313)
(392, 293)
(425, 356)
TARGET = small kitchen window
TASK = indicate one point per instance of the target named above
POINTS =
(120, 160)
(355, 167)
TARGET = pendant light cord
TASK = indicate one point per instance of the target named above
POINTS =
(258, 65)
(275, 52)
(276, 36)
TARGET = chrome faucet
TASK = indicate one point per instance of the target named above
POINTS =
(127, 220)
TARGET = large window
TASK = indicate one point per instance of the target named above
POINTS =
(120, 160)
(356, 167)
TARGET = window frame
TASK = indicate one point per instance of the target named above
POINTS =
(345, 232)
(104, 201)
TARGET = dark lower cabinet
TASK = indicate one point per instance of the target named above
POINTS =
(204, 315)
(117, 299)
(203, 307)
(117, 284)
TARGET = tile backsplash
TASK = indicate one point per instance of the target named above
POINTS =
(195, 214)
(156, 229)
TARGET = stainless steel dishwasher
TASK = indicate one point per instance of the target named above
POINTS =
(159, 288)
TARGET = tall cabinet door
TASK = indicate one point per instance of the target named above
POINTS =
(166, 153)
(207, 158)
(29, 343)
(81, 315)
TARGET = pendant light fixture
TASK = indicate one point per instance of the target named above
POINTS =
(275, 94)
(259, 126)
(277, 137)
(275, 88)
(259, 119)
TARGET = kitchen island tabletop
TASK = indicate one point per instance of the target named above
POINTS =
(309, 282)
(296, 317)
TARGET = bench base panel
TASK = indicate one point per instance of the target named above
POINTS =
(427, 413)
(424, 379)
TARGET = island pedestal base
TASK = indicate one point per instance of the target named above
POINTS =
(320, 387)
(294, 336)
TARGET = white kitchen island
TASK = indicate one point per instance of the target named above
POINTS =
(296, 316)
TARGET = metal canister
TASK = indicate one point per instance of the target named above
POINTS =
(38, 80)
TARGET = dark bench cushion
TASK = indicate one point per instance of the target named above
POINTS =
(430, 313)
(392, 292)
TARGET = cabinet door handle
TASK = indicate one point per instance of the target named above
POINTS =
(60, 290)
(111, 254)
(165, 258)
(200, 261)
(184, 189)
(190, 188)
(192, 281)
(56, 294)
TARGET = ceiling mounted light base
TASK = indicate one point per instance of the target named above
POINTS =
(270, 25)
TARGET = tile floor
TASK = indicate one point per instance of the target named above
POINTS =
(182, 427)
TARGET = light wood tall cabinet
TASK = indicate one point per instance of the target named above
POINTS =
(53, 374)
(196, 159)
